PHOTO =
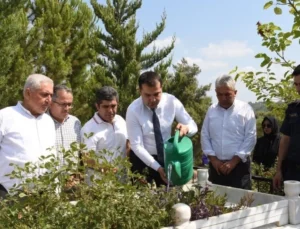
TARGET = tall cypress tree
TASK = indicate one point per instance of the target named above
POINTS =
(120, 53)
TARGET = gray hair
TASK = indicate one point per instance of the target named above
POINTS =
(34, 81)
(225, 80)
(60, 87)
(106, 93)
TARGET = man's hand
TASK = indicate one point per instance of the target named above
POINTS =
(162, 174)
(89, 162)
(216, 163)
(184, 129)
(228, 166)
(277, 180)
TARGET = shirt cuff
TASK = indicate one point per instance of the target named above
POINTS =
(242, 155)
(209, 153)
(155, 165)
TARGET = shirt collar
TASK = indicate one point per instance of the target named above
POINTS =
(22, 108)
(229, 108)
(49, 113)
(99, 120)
(159, 105)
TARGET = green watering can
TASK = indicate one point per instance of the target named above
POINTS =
(179, 156)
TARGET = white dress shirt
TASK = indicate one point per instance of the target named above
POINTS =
(229, 132)
(23, 138)
(140, 126)
(111, 137)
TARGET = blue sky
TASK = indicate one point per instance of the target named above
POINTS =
(216, 34)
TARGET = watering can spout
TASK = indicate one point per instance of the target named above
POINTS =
(176, 167)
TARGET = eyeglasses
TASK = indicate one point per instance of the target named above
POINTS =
(267, 125)
(70, 105)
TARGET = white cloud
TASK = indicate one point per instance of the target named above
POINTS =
(226, 49)
(206, 64)
(161, 43)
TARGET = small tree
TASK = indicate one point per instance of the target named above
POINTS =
(265, 84)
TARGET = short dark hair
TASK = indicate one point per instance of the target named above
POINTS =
(106, 93)
(296, 71)
(60, 87)
(149, 78)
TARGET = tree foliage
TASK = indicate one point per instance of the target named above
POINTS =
(119, 51)
(276, 91)
(14, 58)
(184, 85)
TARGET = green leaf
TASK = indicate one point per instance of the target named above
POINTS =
(268, 4)
(21, 195)
(277, 11)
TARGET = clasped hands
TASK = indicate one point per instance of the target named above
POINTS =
(225, 168)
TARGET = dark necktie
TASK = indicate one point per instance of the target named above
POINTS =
(158, 138)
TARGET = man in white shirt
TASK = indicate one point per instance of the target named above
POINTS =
(67, 126)
(228, 136)
(26, 132)
(108, 129)
(149, 122)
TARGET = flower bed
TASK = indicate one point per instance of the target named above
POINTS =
(265, 209)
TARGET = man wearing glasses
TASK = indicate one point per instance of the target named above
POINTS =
(289, 147)
(228, 136)
(67, 126)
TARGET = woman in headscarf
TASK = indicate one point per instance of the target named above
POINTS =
(266, 148)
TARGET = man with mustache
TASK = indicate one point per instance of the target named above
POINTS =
(26, 132)
(105, 131)
(67, 126)
(228, 136)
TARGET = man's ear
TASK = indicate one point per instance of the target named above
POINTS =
(235, 92)
(27, 93)
(97, 106)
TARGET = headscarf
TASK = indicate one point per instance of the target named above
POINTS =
(266, 148)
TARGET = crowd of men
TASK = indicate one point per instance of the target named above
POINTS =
(42, 121)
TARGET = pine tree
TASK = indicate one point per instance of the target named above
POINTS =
(122, 56)
(64, 34)
(62, 29)
(57, 40)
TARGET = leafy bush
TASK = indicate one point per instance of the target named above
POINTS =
(112, 201)
(264, 186)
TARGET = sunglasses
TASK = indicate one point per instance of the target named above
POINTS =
(267, 125)
(296, 84)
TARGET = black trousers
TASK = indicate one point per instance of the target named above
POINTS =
(290, 170)
(3, 192)
(138, 166)
(238, 178)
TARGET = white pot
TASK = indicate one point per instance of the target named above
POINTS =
(291, 188)
(182, 215)
(202, 176)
